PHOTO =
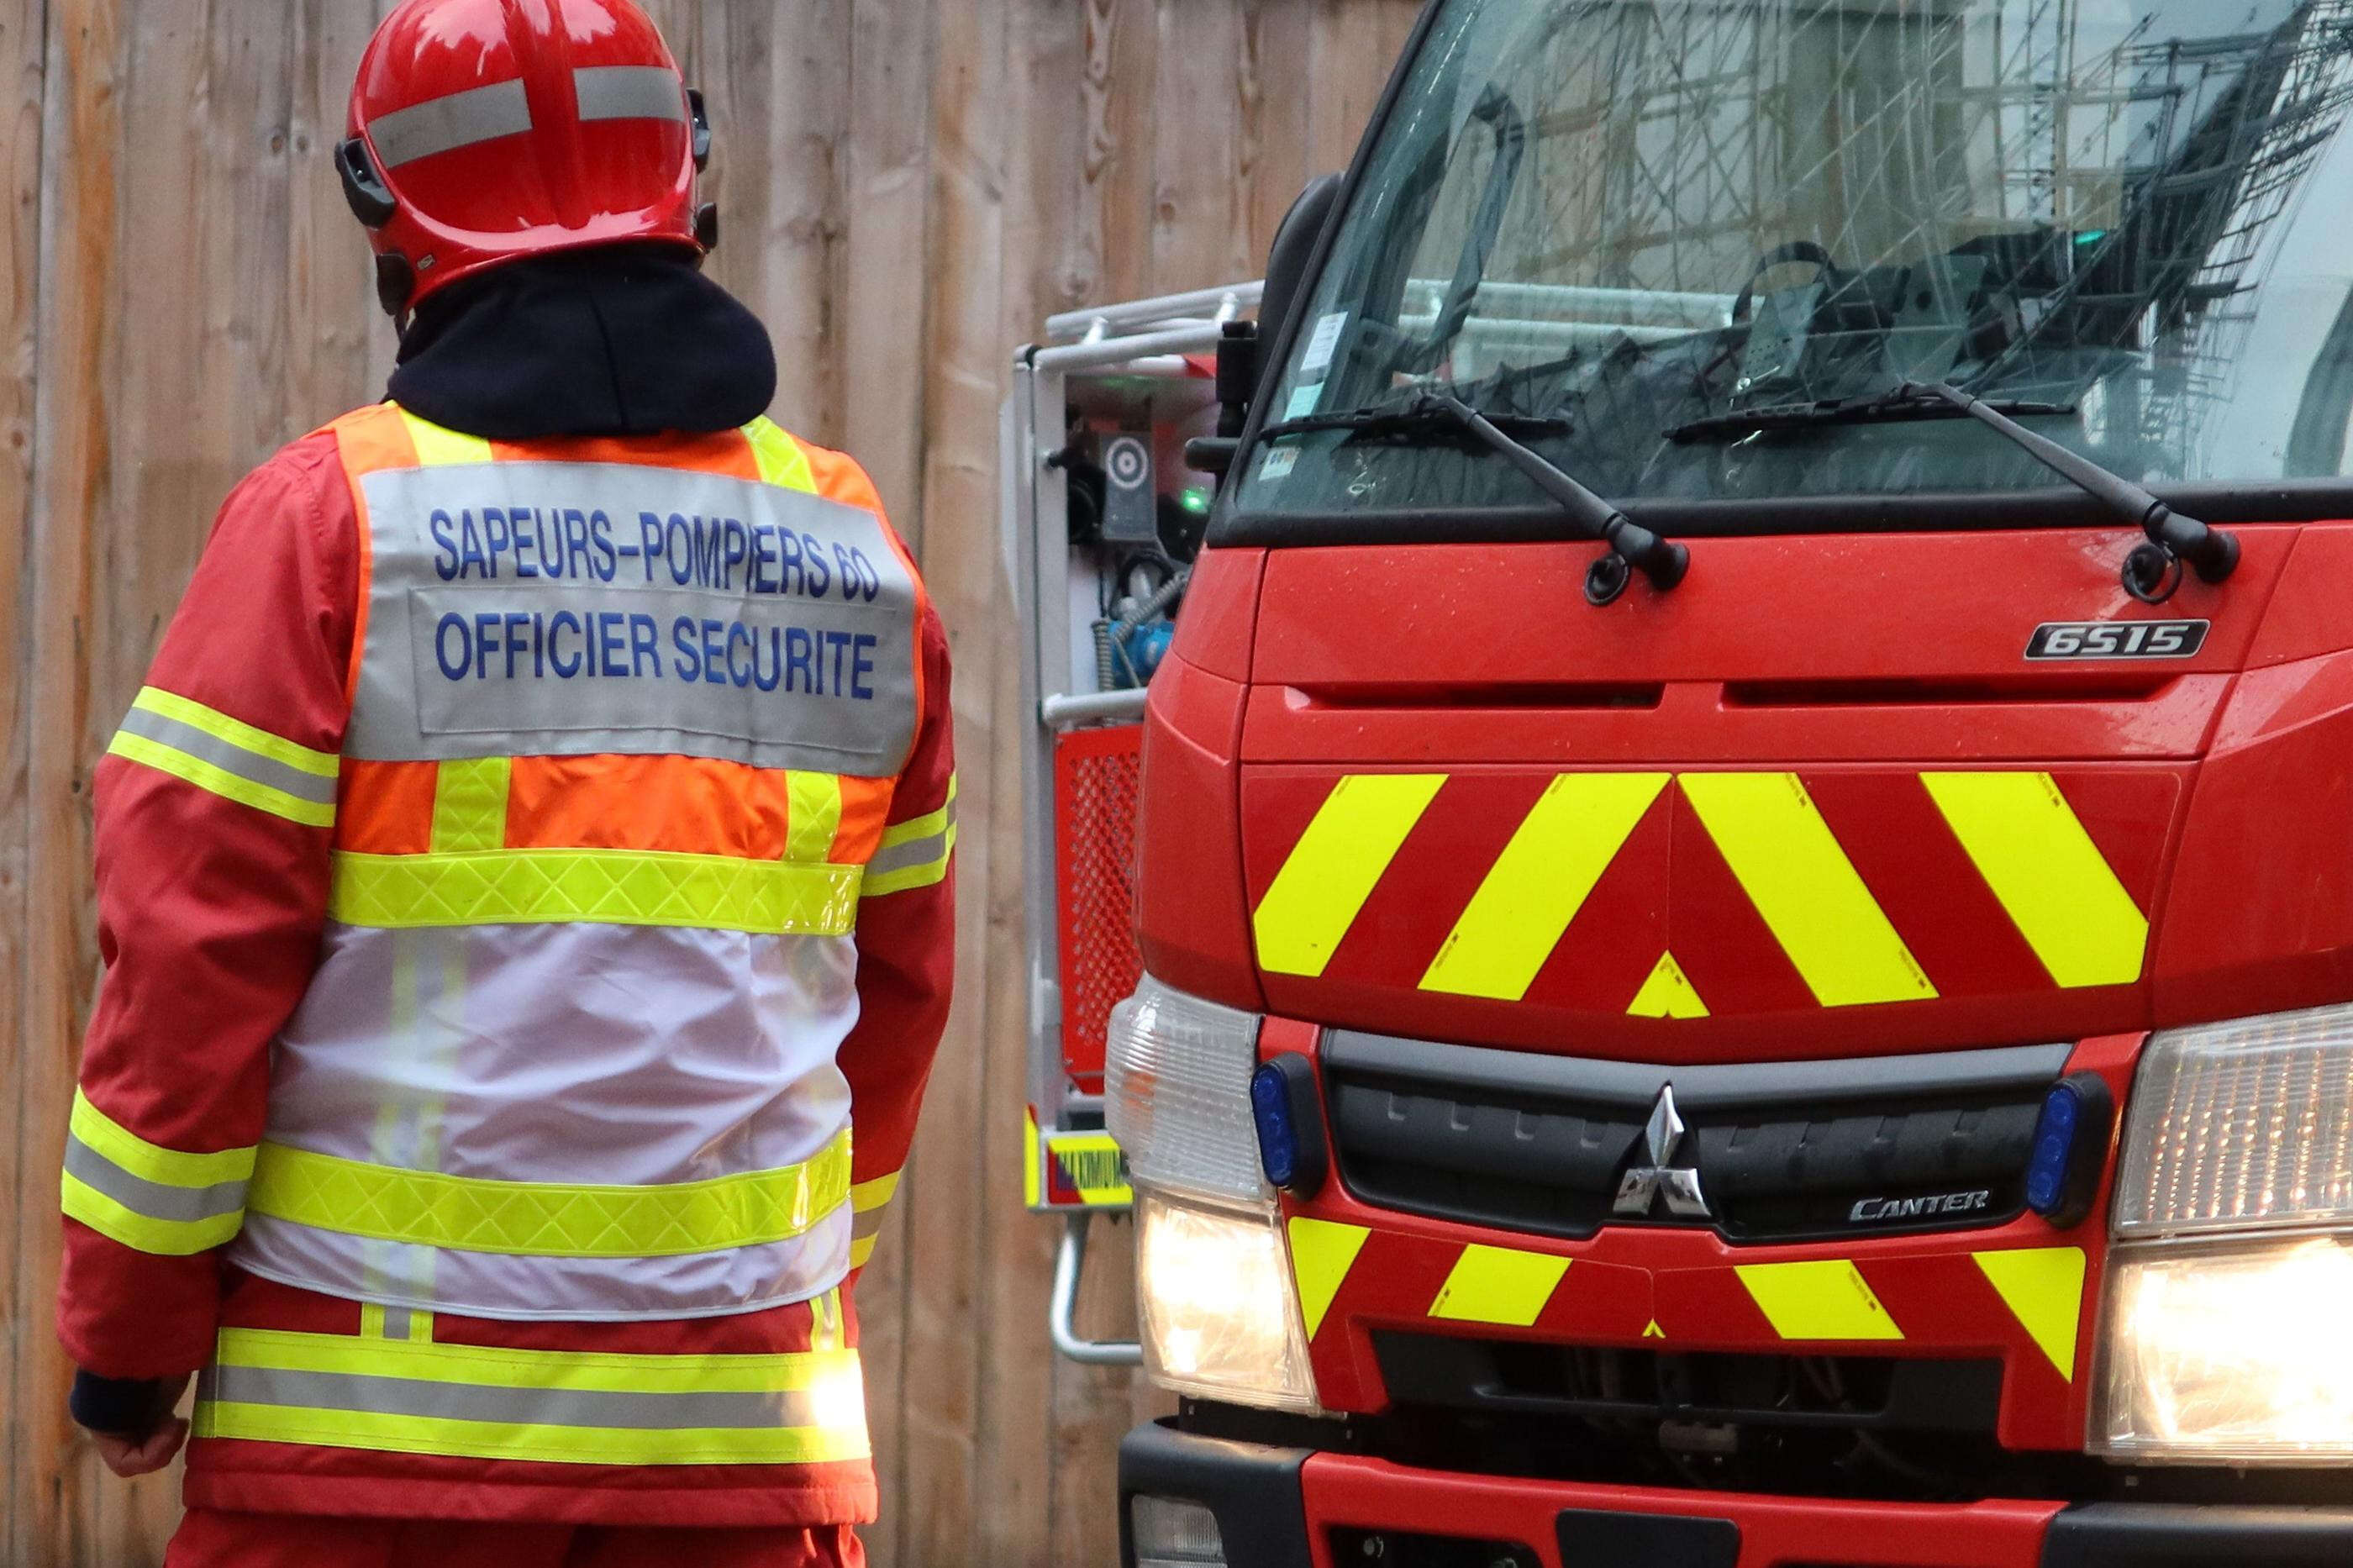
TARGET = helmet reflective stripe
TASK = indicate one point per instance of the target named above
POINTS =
(629, 93)
(444, 124)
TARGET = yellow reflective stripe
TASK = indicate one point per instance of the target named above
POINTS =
(236, 732)
(219, 780)
(923, 875)
(2031, 848)
(1322, 1253)
(862, 1248)
(1823, 1300)
(780, 457)
(548, 1219)
(813, 805)
(1498, 1285)
(1808, 891)
(2043, 1288)
(470, 803)
(382, 1433)
(874, 1194)
(144, 1233)
(484, 1367)
(153, 1162)
(1667, 992)
(929, 824)
(611, 887)
(1539, 882)
(439, 448)
(1335, 865)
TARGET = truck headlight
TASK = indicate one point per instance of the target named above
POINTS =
(1218, 1309)
(2232, 1272)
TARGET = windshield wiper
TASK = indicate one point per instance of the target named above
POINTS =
(2151, 572)
(1632, 548)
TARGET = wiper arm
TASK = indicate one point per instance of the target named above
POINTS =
(2151, 572)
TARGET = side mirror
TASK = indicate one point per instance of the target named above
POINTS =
(1287, 258)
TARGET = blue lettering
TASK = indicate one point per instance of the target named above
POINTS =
(574, 529)
(645, 645)
(681, 637)
(451, 670)
(764, 555)
(677, 546)
(483, 626)
(538, 647)
(496, 536)
(860, 667)
(445, 566)
(814, 558)
(555, 623)
(516, 620)
(788, 548)
(470, 546)
(800, 653)
(775, 660)
(707, 570)
(734, 549)
(650, 540)
(608, 642)
(532, 544)
(739, 674)
(711, 631)
(600, 531)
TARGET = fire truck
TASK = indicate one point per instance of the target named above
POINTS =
(1742, 862)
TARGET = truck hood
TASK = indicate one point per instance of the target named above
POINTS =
(1817, 801)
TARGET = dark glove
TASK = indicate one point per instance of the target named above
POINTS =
(126, 1408)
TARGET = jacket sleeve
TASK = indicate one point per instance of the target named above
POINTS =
(215, 807)
(906, 955)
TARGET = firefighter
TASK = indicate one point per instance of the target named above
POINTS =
(525, 881)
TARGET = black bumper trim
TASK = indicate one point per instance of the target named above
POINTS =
(2192, 1535)
(1253, 1491)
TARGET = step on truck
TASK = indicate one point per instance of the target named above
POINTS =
(1744, 868)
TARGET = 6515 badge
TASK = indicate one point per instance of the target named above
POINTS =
(2117, 639)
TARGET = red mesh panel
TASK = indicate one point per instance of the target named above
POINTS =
(1094, 888)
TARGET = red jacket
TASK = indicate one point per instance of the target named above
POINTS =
(213, 909)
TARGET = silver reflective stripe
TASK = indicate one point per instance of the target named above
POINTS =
(395, 1322)
(252, 767)
(518, 1407)
(151, 1199)
(914, 852)
(629, 93)
(869, 1222)
(458, 119)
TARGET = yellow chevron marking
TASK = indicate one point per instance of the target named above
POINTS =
(1825, 1300)
(2043, 1288)
(1322, 1253)
(1667, 993)
(1539, 882)
(1654, 1332)
(1334, 868)
(1790, 865)
(1498, 1285)
(2031, 848)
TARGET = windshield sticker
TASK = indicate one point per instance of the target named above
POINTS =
(1320, 346)
(1303, 400)
(1278, 463)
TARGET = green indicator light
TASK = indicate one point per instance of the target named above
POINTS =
(1195, 500)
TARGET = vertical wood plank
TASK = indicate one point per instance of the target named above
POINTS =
(23, 39)
(1123, 43)
(1274, 97)
(48, 1507)
(1200, 224)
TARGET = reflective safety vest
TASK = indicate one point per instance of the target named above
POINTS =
(622, 742)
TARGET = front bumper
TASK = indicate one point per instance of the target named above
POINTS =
(1282, 1508)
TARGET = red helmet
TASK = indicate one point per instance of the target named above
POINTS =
(483, 131)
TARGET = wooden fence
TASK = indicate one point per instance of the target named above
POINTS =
(908, 186)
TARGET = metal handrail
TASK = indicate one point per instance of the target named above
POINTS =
(1061, 1311)
(1221, 302)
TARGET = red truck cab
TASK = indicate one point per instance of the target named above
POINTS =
(1788, 1003)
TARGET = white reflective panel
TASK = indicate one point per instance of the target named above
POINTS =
(500, 1284)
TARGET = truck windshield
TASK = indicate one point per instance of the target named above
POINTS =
(1626, 218)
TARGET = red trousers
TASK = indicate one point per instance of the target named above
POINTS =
(209, 1538)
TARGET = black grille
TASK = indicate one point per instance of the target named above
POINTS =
(1784, 1151)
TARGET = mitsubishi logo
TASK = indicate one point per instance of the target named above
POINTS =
(1642, 1185)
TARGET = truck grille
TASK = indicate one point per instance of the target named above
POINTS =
(1784, 1151)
